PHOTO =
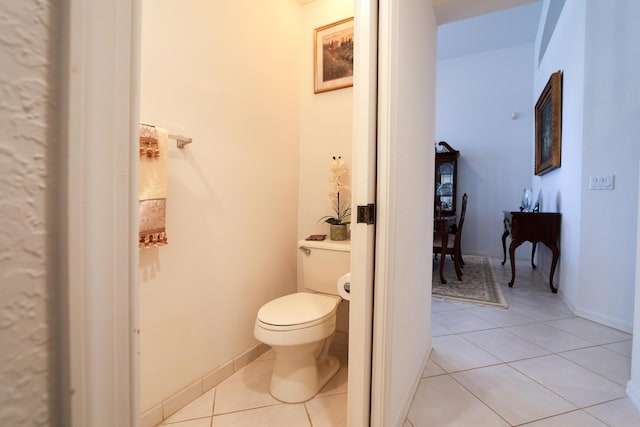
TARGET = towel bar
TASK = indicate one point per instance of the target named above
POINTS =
(181, 141)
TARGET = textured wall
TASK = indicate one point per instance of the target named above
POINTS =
(27, 190)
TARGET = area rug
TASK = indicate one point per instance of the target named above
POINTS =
(478, 284)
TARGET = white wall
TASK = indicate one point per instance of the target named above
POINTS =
(405, 224)
(594, 44)
(325, 130)
(29, 198)
(233, 193)
(612, 108)
(633, 386)
(611, 129)
(476, 95)
(562, 188)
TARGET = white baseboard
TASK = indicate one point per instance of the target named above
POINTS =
(407, 400)
(186, 395)
(604, 320)
(633, 392)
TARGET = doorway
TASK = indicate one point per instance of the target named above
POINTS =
(110, 290)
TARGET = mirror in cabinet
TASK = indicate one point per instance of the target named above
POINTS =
(446, 179)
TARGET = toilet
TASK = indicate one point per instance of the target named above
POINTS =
(300, 327)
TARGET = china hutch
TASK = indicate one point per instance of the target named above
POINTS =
(446, 179)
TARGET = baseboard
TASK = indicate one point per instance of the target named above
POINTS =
(604, 320)
(633, 392)
(570, 305)
(163, 410)
(407, 400)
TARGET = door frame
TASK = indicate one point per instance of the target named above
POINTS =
(100, 89)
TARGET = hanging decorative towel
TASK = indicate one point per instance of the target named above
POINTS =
(153, 186)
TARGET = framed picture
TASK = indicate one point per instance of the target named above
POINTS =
(548, 138)
(333, 56)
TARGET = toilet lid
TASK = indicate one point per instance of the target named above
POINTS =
(297, 309)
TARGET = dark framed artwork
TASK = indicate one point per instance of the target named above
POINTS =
(548, 138)
(333, 56)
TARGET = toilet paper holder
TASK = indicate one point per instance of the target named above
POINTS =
(344, 286)
(347, 287)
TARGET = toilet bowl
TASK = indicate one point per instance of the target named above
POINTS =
(300, 327)
(301, 342)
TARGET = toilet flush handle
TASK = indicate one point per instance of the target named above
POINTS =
(306, 250)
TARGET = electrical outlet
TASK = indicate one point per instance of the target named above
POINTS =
(601, 182)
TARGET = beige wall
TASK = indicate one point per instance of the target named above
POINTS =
(325, 122)
(225, 74)
(253, 182)
(325, 130)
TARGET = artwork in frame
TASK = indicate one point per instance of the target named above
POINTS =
(333, 56)
(548, 137)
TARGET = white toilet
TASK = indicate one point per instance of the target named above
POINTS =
(300, 327)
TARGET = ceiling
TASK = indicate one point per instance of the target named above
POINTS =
(505, 28)
(454, 10)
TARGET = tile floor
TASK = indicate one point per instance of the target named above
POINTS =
(243, 399)
(534, 364)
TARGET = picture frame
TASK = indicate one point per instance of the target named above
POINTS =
(333, 56)
(548, 132)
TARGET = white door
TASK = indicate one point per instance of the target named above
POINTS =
(363, 193)
(404, 228)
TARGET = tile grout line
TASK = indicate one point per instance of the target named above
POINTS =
(213, 405)
(480, 400)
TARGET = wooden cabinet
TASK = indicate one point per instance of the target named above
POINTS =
(446, 179)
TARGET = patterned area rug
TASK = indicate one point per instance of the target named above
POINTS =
(478, 284)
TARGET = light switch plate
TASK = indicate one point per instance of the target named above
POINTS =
(601, 182)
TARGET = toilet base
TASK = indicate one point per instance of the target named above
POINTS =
(300, 373)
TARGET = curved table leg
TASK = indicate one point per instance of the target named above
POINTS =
(504, 246)
(554, 262)
(533, 252)
(444, 238)
(512, 250)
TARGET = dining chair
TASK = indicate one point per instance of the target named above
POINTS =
(454, 250)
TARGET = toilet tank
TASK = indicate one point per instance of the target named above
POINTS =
(323, 263)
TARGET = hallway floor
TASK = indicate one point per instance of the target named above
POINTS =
(533, 364)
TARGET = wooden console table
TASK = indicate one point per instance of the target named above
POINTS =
(533, 227)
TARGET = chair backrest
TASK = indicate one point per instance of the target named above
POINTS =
(463, 211)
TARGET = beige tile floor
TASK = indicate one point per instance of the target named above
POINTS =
(244, 400)
(534, 364)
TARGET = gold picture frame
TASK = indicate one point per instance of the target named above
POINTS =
(548, 137)
(333, 56)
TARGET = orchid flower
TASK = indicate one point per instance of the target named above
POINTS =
(338, 171)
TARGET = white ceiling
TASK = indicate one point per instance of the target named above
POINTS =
(506, 28)
(454, 10)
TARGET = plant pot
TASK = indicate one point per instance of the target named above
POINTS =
(338, 232)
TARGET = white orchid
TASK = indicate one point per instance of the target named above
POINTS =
(338, 170)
